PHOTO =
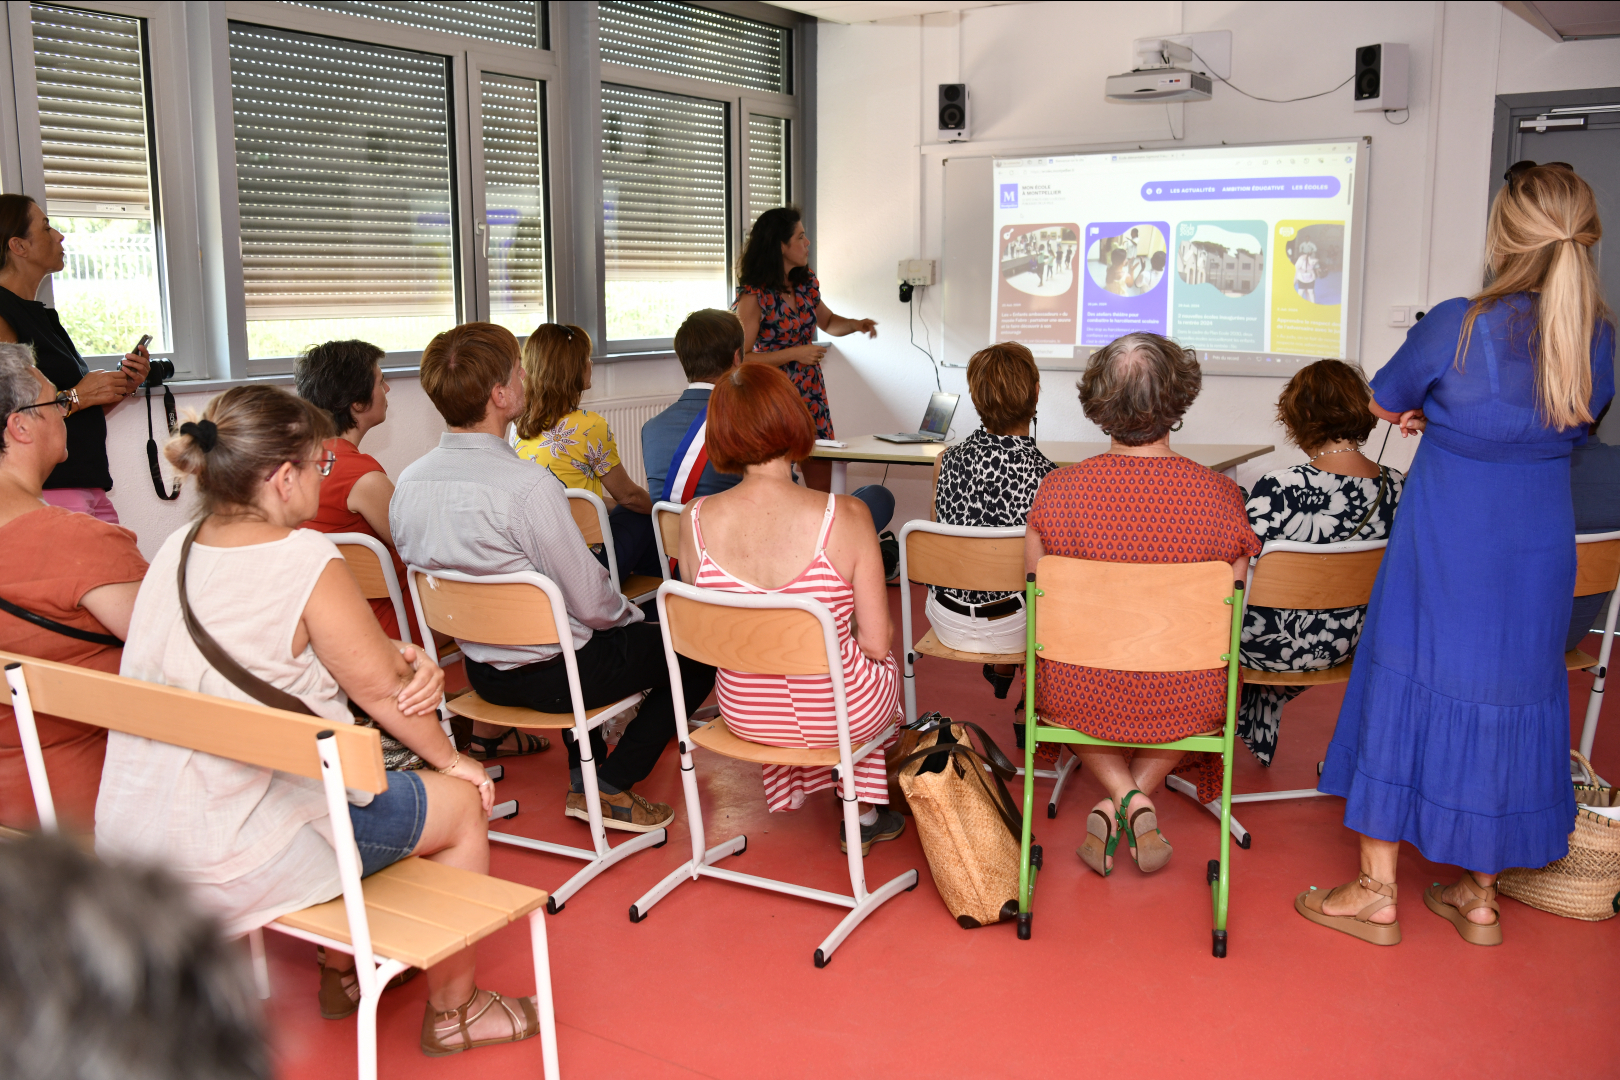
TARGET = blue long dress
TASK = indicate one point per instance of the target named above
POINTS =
(1454, 732)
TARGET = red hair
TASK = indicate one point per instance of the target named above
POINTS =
(756, 415)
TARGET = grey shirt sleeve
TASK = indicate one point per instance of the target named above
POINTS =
(545, 531)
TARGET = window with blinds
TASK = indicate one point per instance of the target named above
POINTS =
(700, 43)
(665, 193)
(515, 200)
(767, 165)
(90, 70)
(344, 182)
(511, 23)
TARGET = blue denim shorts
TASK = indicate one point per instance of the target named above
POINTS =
(389, 827)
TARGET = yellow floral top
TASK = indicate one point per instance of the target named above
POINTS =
(579, 450)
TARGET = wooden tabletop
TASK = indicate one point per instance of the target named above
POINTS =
(1217, 456)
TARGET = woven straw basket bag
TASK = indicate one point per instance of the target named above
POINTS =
(1585, 884)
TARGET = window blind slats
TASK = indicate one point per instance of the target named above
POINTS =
(92, 111)
(515, 23)
(700, 43)
(767, 165)
(343, 175)
(664, 181)
(514, 199)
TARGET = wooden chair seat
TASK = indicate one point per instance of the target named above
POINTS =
(718, 737)
(421, 912)
(930, 646)
(474, 707)
(1338, 673)
(640, 586)
(1575, 660)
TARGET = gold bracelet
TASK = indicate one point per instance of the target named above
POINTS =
(453, 763)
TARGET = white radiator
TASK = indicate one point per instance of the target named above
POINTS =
(625, 417)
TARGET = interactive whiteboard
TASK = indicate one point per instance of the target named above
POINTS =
(1250, 255)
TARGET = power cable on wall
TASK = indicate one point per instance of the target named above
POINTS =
(911, 322)
(1275, 101)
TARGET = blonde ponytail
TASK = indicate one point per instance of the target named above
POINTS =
(1543, 224)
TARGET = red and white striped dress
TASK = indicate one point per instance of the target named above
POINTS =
(797, 710)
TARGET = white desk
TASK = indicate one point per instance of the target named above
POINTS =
(1222, 457)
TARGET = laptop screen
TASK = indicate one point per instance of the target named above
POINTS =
(941, 410)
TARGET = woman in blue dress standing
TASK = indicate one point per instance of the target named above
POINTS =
(1454, 733)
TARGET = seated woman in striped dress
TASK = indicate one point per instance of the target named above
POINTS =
(768, 535)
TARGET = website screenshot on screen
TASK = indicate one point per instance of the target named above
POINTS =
(1237, 252)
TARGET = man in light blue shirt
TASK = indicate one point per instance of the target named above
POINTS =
(472, 505)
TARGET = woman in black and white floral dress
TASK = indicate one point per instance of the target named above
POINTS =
(1337, 495)
(990, 479)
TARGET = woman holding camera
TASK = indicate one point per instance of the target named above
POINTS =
(30, 250)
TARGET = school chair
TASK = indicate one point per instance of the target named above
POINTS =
(1133, 617)
(373, 569)
(972, 558)
(1308, 577)
(666, 518)
(413, 913)
(769, 634)
(527, 608)
(1597, 570)
(590, 514)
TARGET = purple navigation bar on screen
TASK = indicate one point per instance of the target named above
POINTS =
(1256, 187)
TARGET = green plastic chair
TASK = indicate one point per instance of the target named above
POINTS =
(1132, 617)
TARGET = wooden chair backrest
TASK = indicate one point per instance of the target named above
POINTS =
(1597, 567)
(250, 733)
(1311, 581)
(991, 564)
(669, 525)
(1133, 616)
(590, 526)
(507, 613)
(779, 641)
(367, 569)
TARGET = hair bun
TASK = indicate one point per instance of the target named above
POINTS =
(204, 433)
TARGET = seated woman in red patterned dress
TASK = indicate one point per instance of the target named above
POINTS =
(1140, 502)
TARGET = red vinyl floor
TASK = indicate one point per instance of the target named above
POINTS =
(1118, 980)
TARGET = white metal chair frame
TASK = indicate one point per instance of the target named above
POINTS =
(372, 971)
(861, 903)
(396, 593)
(607, 539)
(1600, 673)
(664, 506)
(600, 855)
(1067, 762)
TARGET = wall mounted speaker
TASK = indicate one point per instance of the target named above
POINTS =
(953, 111)
(1382, 76)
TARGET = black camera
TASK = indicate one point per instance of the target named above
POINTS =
(160, 372)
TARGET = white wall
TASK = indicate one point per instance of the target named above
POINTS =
(1035, 74)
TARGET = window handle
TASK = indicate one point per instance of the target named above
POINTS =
(483, 238)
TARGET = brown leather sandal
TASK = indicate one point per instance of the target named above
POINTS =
(340, 993)
(1479, 896)
(1309, 904)
(431, 1031)
(1148, 846)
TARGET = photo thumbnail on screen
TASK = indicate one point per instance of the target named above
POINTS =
(1129, 264)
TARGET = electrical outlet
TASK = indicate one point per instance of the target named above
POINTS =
(916, 271)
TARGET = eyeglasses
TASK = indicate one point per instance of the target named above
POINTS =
(64, 400)
(1519, 168)
(323, 465)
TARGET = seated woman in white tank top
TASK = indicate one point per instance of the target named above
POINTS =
(254, 844)
(767, 534)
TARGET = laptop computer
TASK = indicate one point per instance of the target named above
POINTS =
(936, 422)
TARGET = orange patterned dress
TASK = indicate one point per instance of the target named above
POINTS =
(1123, 508)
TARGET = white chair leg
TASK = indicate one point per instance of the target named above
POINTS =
(1067, 765)
(261, 966)
(868, 904)
(542, 993)
(366, 1029)
(1239, 833)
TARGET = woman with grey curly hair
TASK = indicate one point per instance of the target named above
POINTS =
(1141, 502)
(67, 591)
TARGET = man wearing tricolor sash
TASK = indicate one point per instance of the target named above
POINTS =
(708, 344)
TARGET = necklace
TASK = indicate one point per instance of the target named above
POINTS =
(1330, 453)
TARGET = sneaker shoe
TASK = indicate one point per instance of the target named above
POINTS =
(626, 810)
(887, 826)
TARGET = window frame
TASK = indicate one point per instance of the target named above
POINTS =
(197, 213)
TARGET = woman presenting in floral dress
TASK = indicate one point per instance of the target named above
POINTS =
(779, 303)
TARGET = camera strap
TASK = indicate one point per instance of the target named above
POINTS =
(152, 446)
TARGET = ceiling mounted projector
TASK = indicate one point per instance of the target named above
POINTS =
(1153, 85)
